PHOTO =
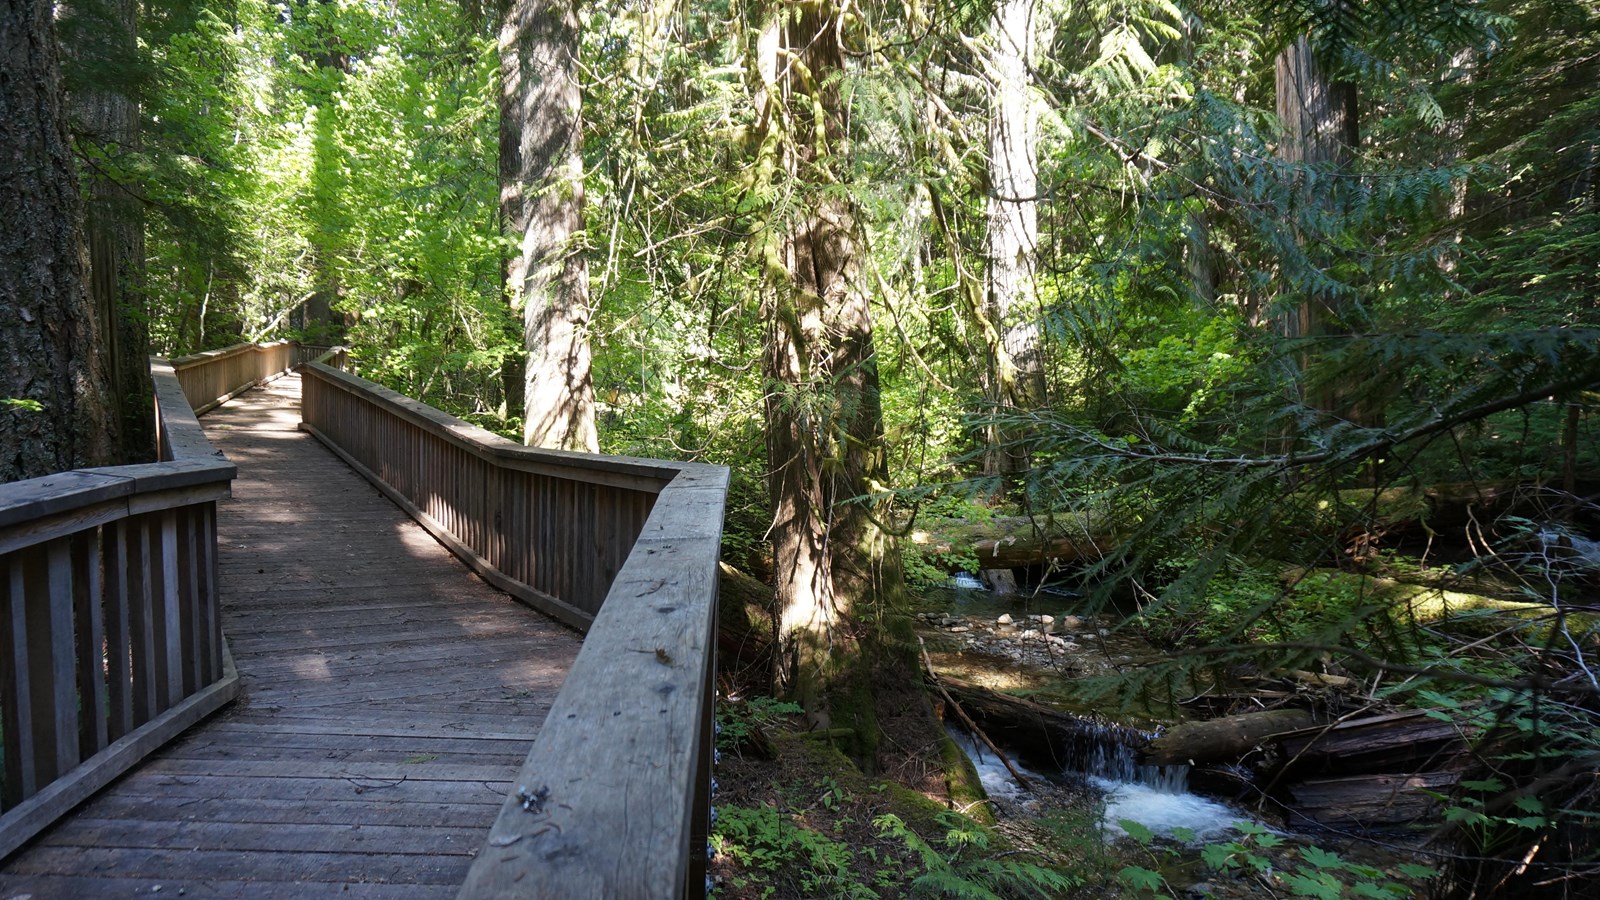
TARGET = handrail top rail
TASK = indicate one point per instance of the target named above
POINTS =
(47, 495)
(638, 472)
(194, 462)
(205, 356)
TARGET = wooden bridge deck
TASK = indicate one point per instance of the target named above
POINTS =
(389, 698)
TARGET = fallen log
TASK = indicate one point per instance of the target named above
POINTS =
(1397, 742)
(1370, 801)
(1006, 542)
(744, 621)
(971, 726)
(1040, 735)
(1227, 738)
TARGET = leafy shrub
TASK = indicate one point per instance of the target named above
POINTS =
(737, 721)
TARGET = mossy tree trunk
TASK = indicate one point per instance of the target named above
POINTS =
(835, 567)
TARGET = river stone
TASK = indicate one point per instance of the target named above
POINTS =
(1071, 623)
(1005, 619)
(1046, 620)
(960, 629)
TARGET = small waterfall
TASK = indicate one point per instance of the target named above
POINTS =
(1156, 797)
(1106, 753)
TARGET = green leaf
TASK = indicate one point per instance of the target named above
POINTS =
(1322, 859)
(1220, 856)
(1321, 886)
(1137, 831)
(1413, 870)
(1141, 879)
(1465, 816)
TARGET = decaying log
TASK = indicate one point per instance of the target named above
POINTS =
(744, 621)
(1038, 734)
(971, 726)
(1370, 801)
(1398, 742)
(1010, 541)
(1222, 739)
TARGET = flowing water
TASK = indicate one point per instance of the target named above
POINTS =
(1156, 797)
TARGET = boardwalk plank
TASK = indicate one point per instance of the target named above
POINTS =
(113, 886)
(390, 695)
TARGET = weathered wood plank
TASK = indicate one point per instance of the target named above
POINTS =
(637, 691)
(309, 749)
(113, 885)
(275, 811)
(183, 867)
(307, 837)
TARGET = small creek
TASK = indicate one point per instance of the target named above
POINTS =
(1156, 797)
(1032, 644)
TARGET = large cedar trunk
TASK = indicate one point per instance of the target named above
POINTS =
(824, 413)
(1015, 376)
(542, 196)
(47, 327)
(1318, 113)
(107, 120)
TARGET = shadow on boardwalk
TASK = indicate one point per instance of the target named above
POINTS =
(389, 697)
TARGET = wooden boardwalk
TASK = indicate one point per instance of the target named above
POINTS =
(389, 698)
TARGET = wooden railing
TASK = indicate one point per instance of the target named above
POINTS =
(214, 377)
(614, 794)
(110, 627)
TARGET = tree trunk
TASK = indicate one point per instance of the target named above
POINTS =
(514, 207)
(107, 120)
(1015, 377)
(1318, 113)
(539, 42)
(824, 414)
(47, 327)
(1320, 129)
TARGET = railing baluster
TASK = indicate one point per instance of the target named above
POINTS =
(87, 593)
(210, 600)
(58, 691)
(144, 567)
(192, 646)
(16, 688)
(120, 581)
